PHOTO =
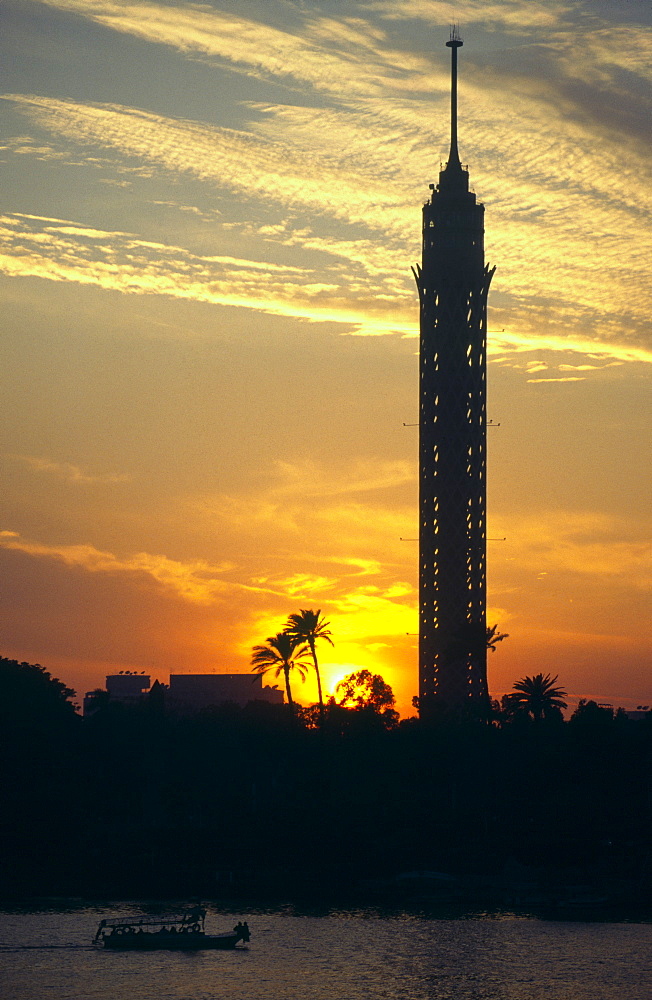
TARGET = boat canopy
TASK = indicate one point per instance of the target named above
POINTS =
(192, 918)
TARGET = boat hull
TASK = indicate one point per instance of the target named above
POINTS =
(171, 942)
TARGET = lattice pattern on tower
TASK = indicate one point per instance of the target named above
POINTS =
(453, 284)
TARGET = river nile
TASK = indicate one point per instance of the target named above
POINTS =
(342, 956)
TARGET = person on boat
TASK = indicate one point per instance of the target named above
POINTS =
(242, 930)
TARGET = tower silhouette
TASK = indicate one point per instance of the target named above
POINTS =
(453, 284)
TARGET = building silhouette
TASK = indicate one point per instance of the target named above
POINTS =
(186, 693)
(127, 687)
(453, 283)
(194, 692)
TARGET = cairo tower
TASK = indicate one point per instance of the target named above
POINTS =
(453, 283)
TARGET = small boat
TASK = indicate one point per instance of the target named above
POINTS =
(178, 932)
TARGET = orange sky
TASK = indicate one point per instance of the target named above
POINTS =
(210, 331)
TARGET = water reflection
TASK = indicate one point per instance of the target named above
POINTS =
(345, 955)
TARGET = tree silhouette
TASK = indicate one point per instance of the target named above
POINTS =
(282, 654)
(31, 697)
(493, 637)
(308, 627)
(537, 697)
(589, 713)
(363, 691)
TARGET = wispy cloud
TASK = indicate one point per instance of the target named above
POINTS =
(121, 262)
(588, 368)
(61, 250)
(309, 479)
(322, 52)
(299, 584)
(352, 56)
(568, 213)
(197, 581)
(588, 544)
(568, 378)
(344, 521)
(521, 15)
(240, 161)
(344, 536)
(71, 473)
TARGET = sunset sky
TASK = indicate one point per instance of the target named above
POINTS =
(210, 329)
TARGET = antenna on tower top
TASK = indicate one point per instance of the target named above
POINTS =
(455, 35)
(453, 44)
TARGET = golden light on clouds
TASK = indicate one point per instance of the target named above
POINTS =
(546, 243)
(195, 581)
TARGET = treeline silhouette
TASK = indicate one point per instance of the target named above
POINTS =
(138, 800)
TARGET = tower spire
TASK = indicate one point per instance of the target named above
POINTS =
(454, 43)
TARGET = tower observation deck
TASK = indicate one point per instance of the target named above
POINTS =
(453, 283)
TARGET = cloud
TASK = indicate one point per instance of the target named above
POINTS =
(309, 479)
(240, 161)
(68, 471)
(120, 262)
(351, 58)
(366, 618)
(197, 581)
(519, 15)
(587, 544)
(344, 516)
(567, 199)
(363, 567)
(568, 378)
(520, 343)
(299, 584)
(316, 545)
(325, 53)
(299, 507)
(587, 368)
(371, 614)
(62, 250)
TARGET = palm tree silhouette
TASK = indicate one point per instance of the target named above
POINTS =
(282, 654)
(537, 696)
(474, 637)
(308, 627)
(493, 637)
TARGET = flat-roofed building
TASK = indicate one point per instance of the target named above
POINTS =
(192, 692)
(124, 687)
(127, 687)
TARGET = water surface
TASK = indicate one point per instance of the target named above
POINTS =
(342, 956)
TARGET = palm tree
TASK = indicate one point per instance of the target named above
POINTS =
(282, 654)
(493, 637)
(537, 696)
(308, 627)
(474, 637)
